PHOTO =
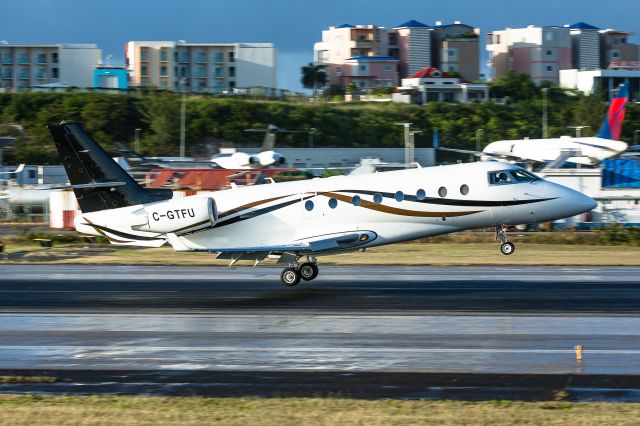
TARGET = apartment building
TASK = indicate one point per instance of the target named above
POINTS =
(201, 67)
(403, 50)
(540, 52)
(458, 48)
(30, 65)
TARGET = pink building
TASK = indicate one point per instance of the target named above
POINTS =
(369, 71)
(540, 52)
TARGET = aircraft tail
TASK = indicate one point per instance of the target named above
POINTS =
(98, 182)
(612, 124)
(269, 141)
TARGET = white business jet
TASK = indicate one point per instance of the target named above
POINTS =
(553, 152)
(296, 222)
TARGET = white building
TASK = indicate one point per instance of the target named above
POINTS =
(201, 67)
(28, 65)
(590, 81)
(430, 84)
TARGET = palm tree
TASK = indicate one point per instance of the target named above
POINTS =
(313, 76)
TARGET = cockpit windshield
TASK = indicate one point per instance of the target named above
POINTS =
(505, 177)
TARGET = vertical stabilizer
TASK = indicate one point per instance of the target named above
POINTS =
(612, 124)
(91, 171)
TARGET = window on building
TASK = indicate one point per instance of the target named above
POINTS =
(201, 72)
(6, 72)
(164, 71)
(42, 74)
(201, 57)
(217, 72)
(55, 73)
(164, 83)
(615, 54)
(6, 59)
(363, 67)
(232, 56)
(232, 71)
(144, 71)
(549, 52)
(232, 85)
(548, 36)
(549, 67)
(218, 57)
(144, 54)
(393, 39)
(24, 73)
(387, 68)
(24, 58)
(54, 57)
(164, 54)
(42, 58)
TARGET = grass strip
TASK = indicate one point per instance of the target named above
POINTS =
(137, 410)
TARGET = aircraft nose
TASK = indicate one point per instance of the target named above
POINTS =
(583, 203)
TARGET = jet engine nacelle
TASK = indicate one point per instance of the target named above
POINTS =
(268, 158)
(180, 215)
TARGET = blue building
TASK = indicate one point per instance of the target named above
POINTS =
(110, 77)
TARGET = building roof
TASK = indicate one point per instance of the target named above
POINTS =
(582, 26)
(371, 58)
(412, 24)
(346, 26)
(428, 72)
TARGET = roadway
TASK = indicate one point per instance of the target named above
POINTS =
(352, 323)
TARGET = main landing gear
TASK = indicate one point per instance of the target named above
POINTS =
(306, 271)
(506, 247)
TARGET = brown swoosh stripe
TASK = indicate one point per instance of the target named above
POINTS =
(189, 226)
(249, 205)
(99, 231)
(394, 210)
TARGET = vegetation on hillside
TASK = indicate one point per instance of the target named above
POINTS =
(216, 121)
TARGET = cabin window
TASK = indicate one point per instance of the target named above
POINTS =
(333, 203)
(500, 177)
(421, 194)
(399, 196)
(356, 201)
(308, 205)
(377, 198)
(464, 189)
(522, 175)
(442, 191)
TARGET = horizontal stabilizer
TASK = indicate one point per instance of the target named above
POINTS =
(89, 185)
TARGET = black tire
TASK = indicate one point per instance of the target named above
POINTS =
(290, 277)
(507, 248)
(308, 271)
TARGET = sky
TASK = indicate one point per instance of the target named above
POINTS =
(293, 26)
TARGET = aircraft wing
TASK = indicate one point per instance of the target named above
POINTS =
(285, 252)
(496, 155)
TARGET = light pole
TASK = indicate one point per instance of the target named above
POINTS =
(544, 112)
(635, 136)
(478, 132)
(412, 146)
(407, 142)
(312, 131)
(137, 133)
(183, 117)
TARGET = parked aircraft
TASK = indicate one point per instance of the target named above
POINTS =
(295, 222)
(227, 159)
(553, 152)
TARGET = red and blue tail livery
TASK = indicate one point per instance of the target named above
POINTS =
(612, 124)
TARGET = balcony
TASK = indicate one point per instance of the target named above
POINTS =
(201, 58)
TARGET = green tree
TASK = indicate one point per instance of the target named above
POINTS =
(313, 76)
(515, 85)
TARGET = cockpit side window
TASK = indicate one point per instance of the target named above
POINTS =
(500, 177)
(522, 175)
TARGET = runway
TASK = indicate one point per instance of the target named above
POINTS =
(351, 322)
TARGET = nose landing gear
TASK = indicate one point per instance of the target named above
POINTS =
(506, 247)
(306, 271)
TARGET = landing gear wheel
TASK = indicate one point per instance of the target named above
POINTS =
(507, 248)
(290, 277)
(308, 271)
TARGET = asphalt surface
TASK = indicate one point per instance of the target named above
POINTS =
(368, 331)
